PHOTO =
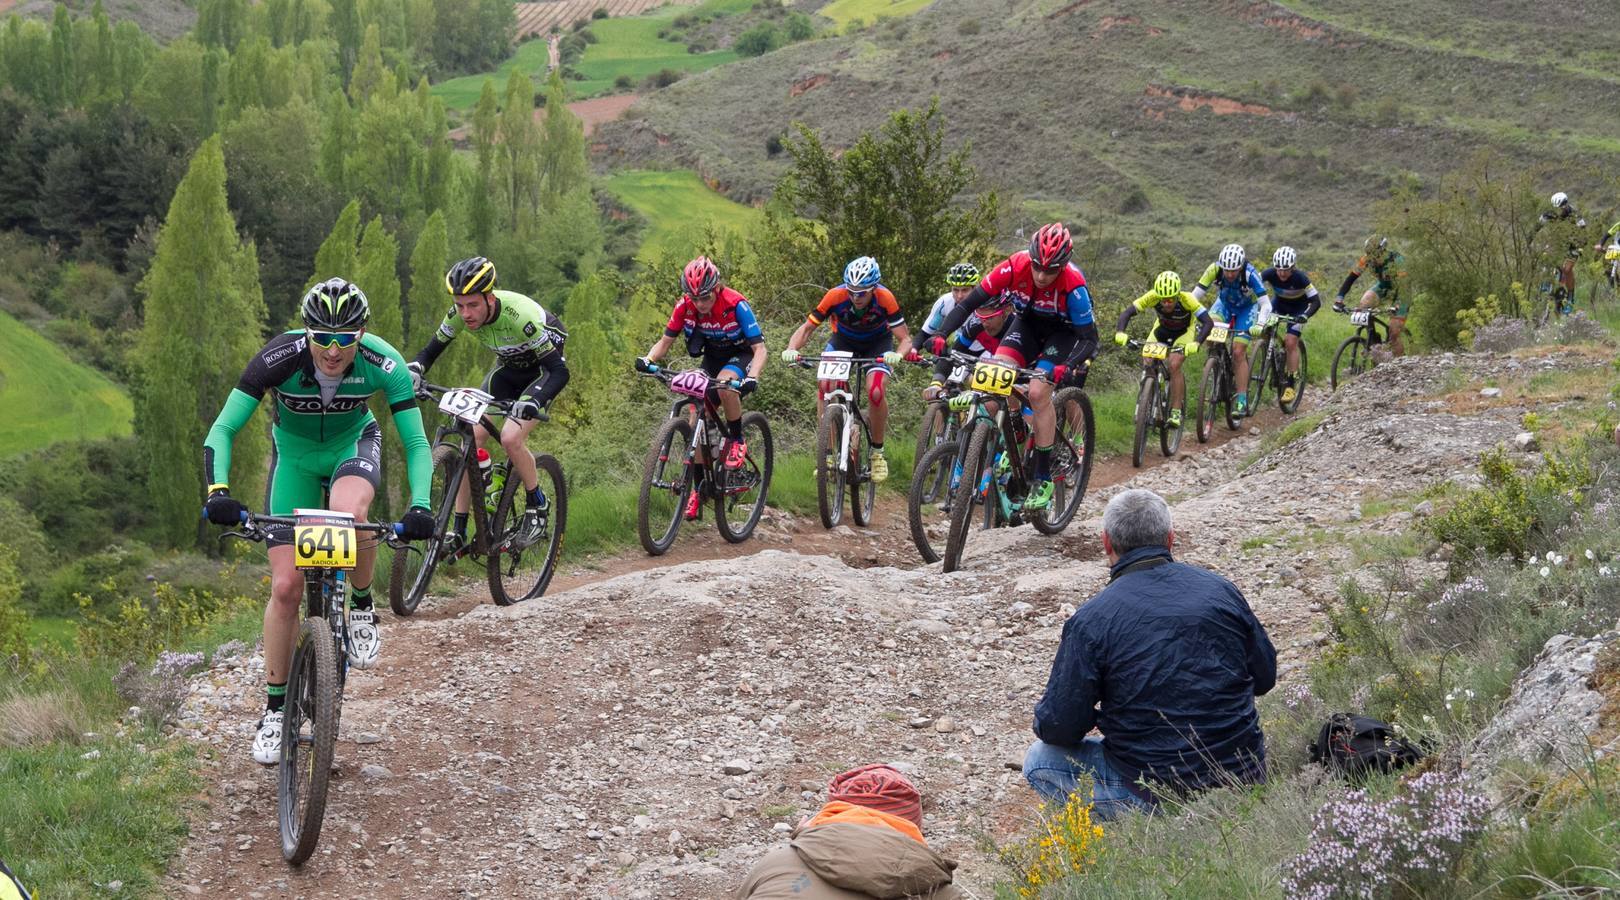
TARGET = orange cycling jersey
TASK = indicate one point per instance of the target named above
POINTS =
(859, 324)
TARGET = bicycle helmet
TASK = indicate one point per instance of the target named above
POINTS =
(994, 308)
(1167, 285)
(470, 276)
(962, 275)
(334, 305)
(699, 277)
(1375, 246)
(1232, 257)
(862, 274)
(1284, 258)
(1051, 246)
(1560, 199)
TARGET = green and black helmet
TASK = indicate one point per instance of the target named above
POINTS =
(470, 276)
(335, 305)
(962, 275)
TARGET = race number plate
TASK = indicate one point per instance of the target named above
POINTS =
(1360, 316)
(323, 539)
(958, 375)
(1613, 252)
(1217, 335)
(991, 377)
(466, 404)
(834, 365)
(1155, 350)
(692, 383)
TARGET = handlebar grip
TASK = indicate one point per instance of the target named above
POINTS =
(398, 528)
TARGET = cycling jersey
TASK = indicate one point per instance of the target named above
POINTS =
(1567, 220)
(1234, 296)
(880, 315)
(1065, 302)
(521, 333)
(727, 328)
(1293, 296)
(1389, 270)
(1175, 313)
(941, 308)
(306, 413)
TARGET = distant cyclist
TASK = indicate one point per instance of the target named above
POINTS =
(1567, 229)
(529, 369)
(960, 279)
(1292, 294)
(1389, 268)
(1176, 310)
(1240, 299)
(867, 322)
(719, 327)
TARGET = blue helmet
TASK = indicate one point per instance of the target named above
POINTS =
(862, 273)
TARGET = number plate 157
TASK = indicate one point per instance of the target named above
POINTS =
(992, 377)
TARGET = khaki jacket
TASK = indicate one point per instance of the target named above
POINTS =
(851, 853)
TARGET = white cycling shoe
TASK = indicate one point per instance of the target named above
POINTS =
(365, 642)
(267, 743)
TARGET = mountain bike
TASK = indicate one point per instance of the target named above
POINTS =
(1354, 355)
(940, 424)
(1271, 364)
(667, 472)
(520, 567)
(1153, 402)
(939, 467)
(996, 471)
(325, 547)
(843, 438)
(1553, 300)
(1217, 390)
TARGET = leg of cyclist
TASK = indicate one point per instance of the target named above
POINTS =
(736, 452)
(877, 376)
(291, 487)
(1240, 369)
(526, 414)
(354, 484)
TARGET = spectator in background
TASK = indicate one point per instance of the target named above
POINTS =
(1166, 662)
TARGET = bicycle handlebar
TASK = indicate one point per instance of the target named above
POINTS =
(666, 376)
(253, 529)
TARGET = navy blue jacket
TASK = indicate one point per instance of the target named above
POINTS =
(1174, 658)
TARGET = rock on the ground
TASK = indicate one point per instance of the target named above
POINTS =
(1553, 710)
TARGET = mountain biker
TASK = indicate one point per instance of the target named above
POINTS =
(1176, 310)
(1389, 268)
(1292, 294)
(529, 369)
(980, 335)
(1051, 327)
(719, 326)
(1240, 299)
(960, 278)
(1568, 225)
(319, 379)
(866, 321)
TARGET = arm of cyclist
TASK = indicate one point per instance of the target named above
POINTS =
(220, 508)
(1128, 313)
(1349, 281)
(449, 327)
(959, 314)
(655, 353)
(1206, 281)
(902, 345)
(401, 393)
(1205, 326)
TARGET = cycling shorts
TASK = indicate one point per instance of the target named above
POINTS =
(873, 348)
(1242, 320)
(1179, 339)
(300, 470)
(1294, 308)
(539, 385)
(730, 364)
(1039, 343)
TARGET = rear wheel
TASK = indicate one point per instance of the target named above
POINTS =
(978, 485)
(412, 569)
(830, 476)
(1170, 437)
(1349, 361)
(930, 483)
(943, 434)
(521, 564)
(1071, 459)
(741, 494)
(1144, 417)
(1299, 381)
(665, 481)
(934, 427)
(308, 740)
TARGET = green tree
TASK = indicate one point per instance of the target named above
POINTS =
(64, 64)
(519, 147)
(199, 277)
(482, 207)
(426, 301)
(799, 27)
(222, 23)
(563, 165)
(376, 274)
(758, 41)
(337, 256)
(14, 653)
(369, 72)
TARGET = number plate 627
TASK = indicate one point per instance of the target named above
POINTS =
(323, 539)
(992, 377)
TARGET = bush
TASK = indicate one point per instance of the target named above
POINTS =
(773, 145)
(80, 492)
(799, 28)
(14, 654)
(968, 27)
(117, 571)
(158, 692)
(1501, 517)
(663, 78)
(624, 83)
(759, 40)
(599, 13)
(140, 629)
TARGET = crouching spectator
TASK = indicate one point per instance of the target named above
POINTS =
(1166, 662)
(865, 843)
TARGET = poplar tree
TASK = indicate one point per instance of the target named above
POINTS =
(375, 273)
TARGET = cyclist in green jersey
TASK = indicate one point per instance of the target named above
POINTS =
(319, 379)
(528, 342)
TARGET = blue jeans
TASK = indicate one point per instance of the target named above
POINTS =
(1054, 772)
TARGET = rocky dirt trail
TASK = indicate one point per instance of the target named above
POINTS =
(651, 730)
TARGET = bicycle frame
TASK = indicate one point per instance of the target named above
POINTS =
(459, 434)
(850, 399)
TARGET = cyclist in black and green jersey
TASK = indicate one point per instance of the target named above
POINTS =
(528, 344)
(319, 379)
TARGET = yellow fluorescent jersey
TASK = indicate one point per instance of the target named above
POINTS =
(1176, 313)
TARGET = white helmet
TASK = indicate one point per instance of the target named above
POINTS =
(1284, 258)
(1232, 257)
(1560, 199)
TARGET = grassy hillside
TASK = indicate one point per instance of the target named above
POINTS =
(1201, 122)
(677, 205)
(46, 397)
(843, 12)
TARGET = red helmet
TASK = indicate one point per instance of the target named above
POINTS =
(699, 277)
(994, 308)
(1051, 246)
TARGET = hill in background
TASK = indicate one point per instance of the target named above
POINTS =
(164, 20)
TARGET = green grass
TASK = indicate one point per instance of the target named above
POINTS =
(462, 93)
(677, 205)
(50, 629)
(46, 397)
(869, 11)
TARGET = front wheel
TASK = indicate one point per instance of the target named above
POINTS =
(412, 570)
(930, 482)
(308, 740)
(1144, 417)
(665, 481)
(1170, 436)
(523, 556)
(1260, 369)
(1349, 361)
(740, 493)
(1299, 381)
(862, 489)
(978, 485)
(1071, 459)
(831, 475)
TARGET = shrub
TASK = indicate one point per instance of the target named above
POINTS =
(33, 720)
(624, 83)
(599, 13)
(1501, 517)
(1068, 844)
(14, 653)
(160, 690)
(1578, 328)
(664, 78)
(773, 145)
(968, 27)
(759, 40)
(139, 629)
(799, 27)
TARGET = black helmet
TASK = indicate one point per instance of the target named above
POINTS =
(470, 276)
(335, 305)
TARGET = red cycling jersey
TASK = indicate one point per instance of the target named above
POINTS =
(1065, 299)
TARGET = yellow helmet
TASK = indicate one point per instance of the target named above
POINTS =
(1167, 285)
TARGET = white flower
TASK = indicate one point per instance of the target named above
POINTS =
(1590, 554)
(1469, 694)
(1545, 571)
(1605, 571)
(1532, 559)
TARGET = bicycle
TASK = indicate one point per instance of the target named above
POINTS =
(497, 508)
(1370, 332)
(739, 494)
(843, 450)
(1271, 363)
(1153, 402)
(1553, 300)
(939, 467)
(995, 469)
(325, 546)
(1216, 390)
(940, 424)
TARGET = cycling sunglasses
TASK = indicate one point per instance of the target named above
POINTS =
(343, 340)
(859, 294)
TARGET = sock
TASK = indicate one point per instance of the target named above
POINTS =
(461, 523)
(275, 696)
(1043, 463)
(734, 429)
(360, 597)
(877, 448)
(537, 500)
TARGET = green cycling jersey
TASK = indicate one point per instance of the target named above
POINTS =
(521, 332)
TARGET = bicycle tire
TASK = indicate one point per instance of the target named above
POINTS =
(1070, 475)
(940, 457)
(654, 468)
(1208, 389)
(1343, 370)
(931, 430)
(829, 474)
(1170, 438)
(757, 434)
(946, 435)
(312, 695)
(1300, 380)
(1259, 370)
(862, 489)
(975, 466)
(406, 586)
(507, 511)
(1144, 417)
(1226, 391)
